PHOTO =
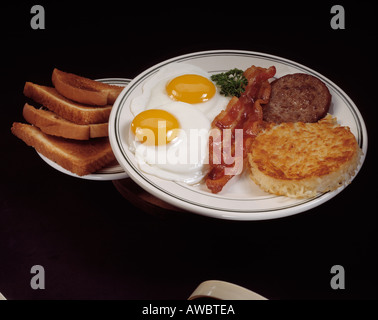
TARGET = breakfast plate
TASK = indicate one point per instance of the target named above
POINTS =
(240, 199)
(112, 172)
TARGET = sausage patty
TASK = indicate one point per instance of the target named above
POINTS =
(297, 97)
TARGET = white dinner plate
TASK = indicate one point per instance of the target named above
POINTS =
(113, 172)
(240, 199)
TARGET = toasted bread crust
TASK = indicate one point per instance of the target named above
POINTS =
(80, 157)
(67, 109)
(297, 97)
(99, 130)
(51, 123)
(84, 90)
(301, 159)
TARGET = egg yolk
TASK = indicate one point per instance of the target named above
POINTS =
(155, 127)
(190, 88)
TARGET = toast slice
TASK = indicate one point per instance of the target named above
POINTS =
(84, 90)
(52, 124)
(80, 157)
(67, 109)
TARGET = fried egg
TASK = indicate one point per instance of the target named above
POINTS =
(181, 82)
(171, 142)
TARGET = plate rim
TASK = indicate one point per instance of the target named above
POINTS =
(180, 202)
(93, 176)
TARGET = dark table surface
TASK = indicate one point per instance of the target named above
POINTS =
(93, 244)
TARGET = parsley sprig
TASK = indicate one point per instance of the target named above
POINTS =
(231, 83)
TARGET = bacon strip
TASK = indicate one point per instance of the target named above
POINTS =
(241, 113)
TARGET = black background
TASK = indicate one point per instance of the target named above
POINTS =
(93, 244)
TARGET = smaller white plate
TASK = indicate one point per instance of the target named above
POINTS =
(114, 172)
(108, 173)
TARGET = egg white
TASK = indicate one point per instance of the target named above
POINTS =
(185, 158)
